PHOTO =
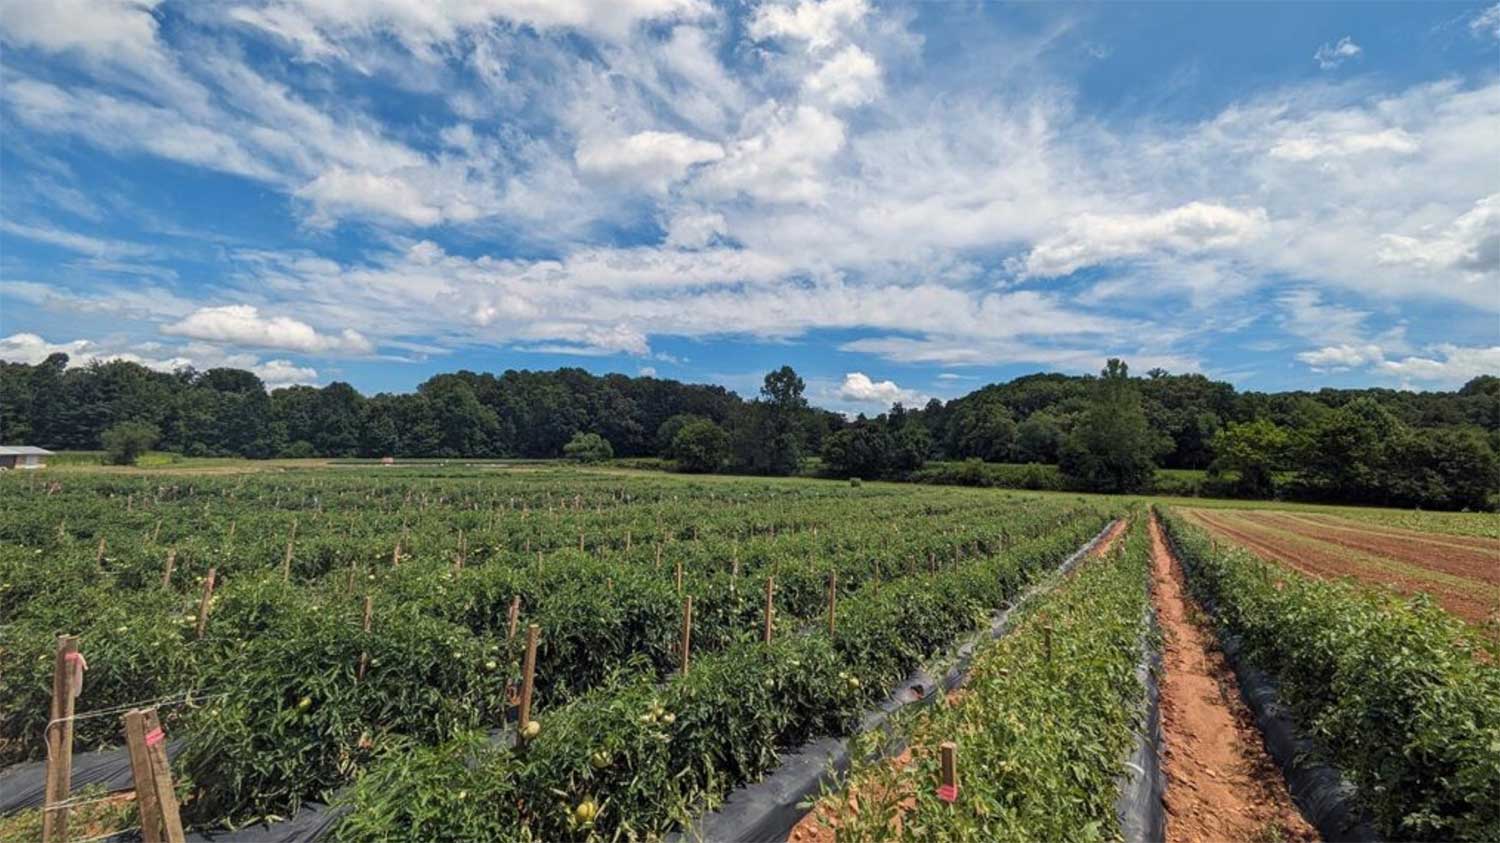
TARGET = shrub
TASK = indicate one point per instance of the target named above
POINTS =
(588, 447)
(125, 442)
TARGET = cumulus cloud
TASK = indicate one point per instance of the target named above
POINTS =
(97, 28)
(33, 349)
(651, 159)
(1471, 244)
(243, 325)
(819, 23)
(1313, 147)
(1093, 238)
(1448, 365)
(1330, 56)
(859, 388)
(780, 163)
(1341, 358)
(851, 77)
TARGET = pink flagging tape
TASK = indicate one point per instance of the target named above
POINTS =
(79, 665)
(155, 736)
(948, 792)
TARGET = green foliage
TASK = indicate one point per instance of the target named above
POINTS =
(1112, 449)
(588, 447)
(1398, 692)
(700, 447)
(125, 442)
(1255, 450)
(1041, 743)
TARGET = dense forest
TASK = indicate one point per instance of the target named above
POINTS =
(1106, 433)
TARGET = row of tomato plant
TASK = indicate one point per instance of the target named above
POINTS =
(1042, 724)
(636, 758)
(281, 718)
(1397, 692)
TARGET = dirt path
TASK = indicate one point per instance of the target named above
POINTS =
(1474, 600)
(1220, 783)
(1472, 563)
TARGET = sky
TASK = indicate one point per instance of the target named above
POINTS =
(900, 200)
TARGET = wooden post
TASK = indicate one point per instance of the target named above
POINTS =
(528, 675)
(1047, 640)
(364, 656)
(515, 616)
(580, 541)
(679, 577)
(140, 770)
(687, 632)
(770, 609)
(59, 782)
(99, 556)
(948, 790)
(161, 773)
(156, 532)
(833, 599)
(232, 525)
(627, 541)
(286, 561)
(658, 556)
(396, 555)
(458, 564)
(203, 604)
(353, 572)
(166, 572)
(734, 576)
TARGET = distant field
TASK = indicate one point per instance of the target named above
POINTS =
(1460, 571)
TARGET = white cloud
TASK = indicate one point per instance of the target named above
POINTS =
(1471, 245)
(1340, 358)
(97, 28)
(1313, 147)
(1330, 56)
(74, 241)
(646, 371)
(851, 77)
(859, 388)
(1487, 22)
(1093, 239)
(819, 23)
(242, 324)
(278, 373)
(1449, 365)
(651, 159)
(780, 163)
(695, 229)
(342, 191)
(33, 349)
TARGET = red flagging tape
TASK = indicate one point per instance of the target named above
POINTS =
(948, 792)
(155, 736)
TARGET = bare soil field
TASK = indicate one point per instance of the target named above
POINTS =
(1462, 573)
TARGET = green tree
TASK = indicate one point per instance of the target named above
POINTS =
(588, 447)
(700, 447)
(125, 442)
(1254, 450)
(910, 447)
(863, 450)
(1112, 449)
(1039, 438)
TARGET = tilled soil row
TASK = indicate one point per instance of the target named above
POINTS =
(1221, 783)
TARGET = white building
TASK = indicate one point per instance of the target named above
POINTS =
(23, 456)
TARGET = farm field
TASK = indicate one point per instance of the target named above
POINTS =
(1461, 572)
(281, 699)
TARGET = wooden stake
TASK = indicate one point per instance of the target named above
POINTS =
(658, 556)
(687, 632)
(156, 532)
(364, 656)
(734, 575)
(166, 573)
(286, 561)
(59, 782)
(833, 599)
(627, 541)
(140, 770)
(396, 555)
(203, 604)
(161, 773)
(679, 577)
(528, 674)
(1047, 640)
(458, 565)
(232, 525)
(99, 556)
(515, 617)
(948, 792)
(770, 608)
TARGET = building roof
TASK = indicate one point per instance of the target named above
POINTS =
(23, 451)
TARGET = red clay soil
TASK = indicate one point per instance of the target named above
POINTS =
(1483, 543)
(1318, 558)
(1220, 783)
(821, 823)
(1474, 562)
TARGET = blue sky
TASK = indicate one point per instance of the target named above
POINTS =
(901, 200)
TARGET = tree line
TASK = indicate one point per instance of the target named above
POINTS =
(1102, 433)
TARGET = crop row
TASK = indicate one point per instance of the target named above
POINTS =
(1397, 691)
(636, 757)
(1042, 724)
